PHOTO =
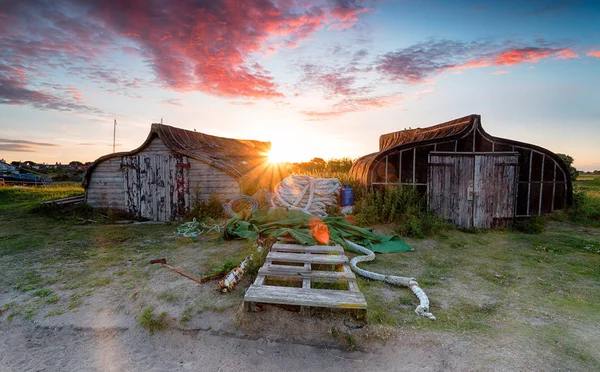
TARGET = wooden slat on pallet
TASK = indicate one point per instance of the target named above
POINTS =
(305, 297)
(278, 247)
(301, 272)
(309, 258)
(287, 258)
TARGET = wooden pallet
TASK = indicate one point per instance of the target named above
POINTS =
(291, 272)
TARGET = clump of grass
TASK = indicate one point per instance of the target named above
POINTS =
(55, 312)
(202, 210)
(43, 293)
(168, 297)
(401, 205)
(151, 322)
(52, 300)
(258, 259)
(186, 315)
(586, 203)
(99, 281)
(531, 225)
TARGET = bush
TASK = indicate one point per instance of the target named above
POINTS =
(388, 205)
(401, 205)
(586, 207)
(568, 160)
(202, 210)
(531, 225)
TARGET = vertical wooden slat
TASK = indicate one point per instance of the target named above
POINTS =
(386, 168)
(553, 188)
(541, 186)
(529, 182)
(495, 186)
(400, 167)
(414, 170)
(451, 177)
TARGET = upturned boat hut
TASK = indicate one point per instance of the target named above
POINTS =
(469, 177)
(160, 179)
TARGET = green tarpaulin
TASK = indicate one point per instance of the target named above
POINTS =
(280, 222)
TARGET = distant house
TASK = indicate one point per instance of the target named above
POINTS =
(468, 176)
(7, 168)
(160, 179)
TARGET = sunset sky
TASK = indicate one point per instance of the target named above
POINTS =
(316, 78)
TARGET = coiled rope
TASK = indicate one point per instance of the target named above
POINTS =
(194, 228)
(422, 309)
(308, 194)
(251, 201)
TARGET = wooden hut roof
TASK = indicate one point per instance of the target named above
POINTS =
(234, 156)
(403, 137)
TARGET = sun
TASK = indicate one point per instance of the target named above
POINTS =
(277, 156)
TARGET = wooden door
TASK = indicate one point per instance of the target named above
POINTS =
(450, 187)
(495, 187)
(156, 186)
(473, 190)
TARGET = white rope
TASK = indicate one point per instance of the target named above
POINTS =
(422, 309)
(250, 200)
(310, 195)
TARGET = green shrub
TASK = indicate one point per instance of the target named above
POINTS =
(568, 160)
(531, 225)
(586, 206)
(401, 205)
(151, 322)
(202, 209)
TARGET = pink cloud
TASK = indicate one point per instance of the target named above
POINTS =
(415, 64)
(349, 105)
(191, 45)
(566, 54)
(522, 55)
(500, 72)
(209, 46)
(594, 53)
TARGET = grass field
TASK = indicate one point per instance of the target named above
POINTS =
(539, 293)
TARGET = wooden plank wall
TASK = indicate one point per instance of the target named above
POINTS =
(451, 178)
(205, 180)
(495, 187)
(542, 186)
(110, 182)
(105, 188)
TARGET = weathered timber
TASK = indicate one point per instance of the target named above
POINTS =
(541, 182)
(473, 190)
(305, 297)
(73, 200)
(173, 169)
(280, 247)
(310, 258)
(269, 286)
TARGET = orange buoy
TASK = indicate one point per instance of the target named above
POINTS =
(319, 230)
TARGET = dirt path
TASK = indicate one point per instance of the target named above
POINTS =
(37, 348)
(260, 344)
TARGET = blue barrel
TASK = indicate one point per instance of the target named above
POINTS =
(347, 196)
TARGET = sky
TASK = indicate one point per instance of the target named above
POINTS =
(315, 78)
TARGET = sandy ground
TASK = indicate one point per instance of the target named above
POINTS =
(103, 335)
(38, 348)
(271, 340)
